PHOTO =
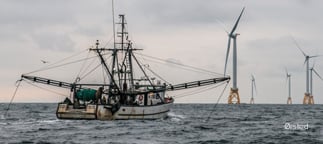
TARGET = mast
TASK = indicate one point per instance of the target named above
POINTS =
(112, 81)
(122, 48)
(130, 64)
(114, 53)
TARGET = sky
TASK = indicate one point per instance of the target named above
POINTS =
(190, 32)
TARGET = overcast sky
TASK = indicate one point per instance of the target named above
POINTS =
(191, 32)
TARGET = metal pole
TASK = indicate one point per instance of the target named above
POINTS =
(307, 74)
(234, 62)
(311, 81)
(289, 85)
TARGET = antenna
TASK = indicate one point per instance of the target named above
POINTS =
(113, 25)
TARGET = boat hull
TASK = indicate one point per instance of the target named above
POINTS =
(104, 112)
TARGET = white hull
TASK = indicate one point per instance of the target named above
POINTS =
(103, 112)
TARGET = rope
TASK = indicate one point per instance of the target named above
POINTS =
(108, 42)
(87, 68)
(82, 67)
(44, 68)
(47, 68)
(197, 91)
(156, 74)
(207, 120)
(179, 64)
(46, 89)
(193, 91)
(90, 72)
(14, 94)
(182, 68)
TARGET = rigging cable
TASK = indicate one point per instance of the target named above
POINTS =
(198, 91)
(179, 64)
(108, 42)
(90, 71)
(45, 68)
(14, 94)
(113, 25)
(82, 67)
(72, 62)
(156, 74)
(87, 67)
(191, 70)
(46, 89)
(213, 109)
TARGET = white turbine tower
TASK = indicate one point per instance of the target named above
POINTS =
(253, 89)
(288, 79)
(311, 83)
(234, 95)
(307, 97)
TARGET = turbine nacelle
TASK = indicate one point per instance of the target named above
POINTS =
(234, 35)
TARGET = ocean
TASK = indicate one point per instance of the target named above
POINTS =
(186, 123)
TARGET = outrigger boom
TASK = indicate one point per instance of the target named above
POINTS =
(181, 86)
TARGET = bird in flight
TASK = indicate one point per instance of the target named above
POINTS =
(44, 61)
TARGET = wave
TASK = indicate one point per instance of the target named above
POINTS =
(2, 117)
(175, 117)
(48, 121)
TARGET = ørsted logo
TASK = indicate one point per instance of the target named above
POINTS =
(289, 126)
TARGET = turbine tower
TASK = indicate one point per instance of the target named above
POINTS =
(288, 79)
(234, 94)
(253, 89)
(307, 95)
(311, 83)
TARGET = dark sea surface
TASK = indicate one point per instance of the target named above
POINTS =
(186, 123)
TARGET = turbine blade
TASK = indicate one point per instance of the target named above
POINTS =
(237, 22)
(227, 55)
(298, 46)
(315, 56)
(314, 64)
(222, 25)
(254, 83)
(317, 74)
(305, 61)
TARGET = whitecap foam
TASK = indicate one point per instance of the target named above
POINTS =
(2, 117)
(175, 119)
(173, 115)
(48, 121)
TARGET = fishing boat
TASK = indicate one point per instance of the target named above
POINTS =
(124, 96)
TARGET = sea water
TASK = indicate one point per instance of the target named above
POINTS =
(185, 123)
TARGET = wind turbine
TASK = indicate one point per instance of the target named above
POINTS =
(311, 83)
(234, 94)
(288, 78)
(253, 88)
(307, 97)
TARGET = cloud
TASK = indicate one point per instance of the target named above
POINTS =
(180, 12)
(185, 30)
(54, 41)
(36, 13)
